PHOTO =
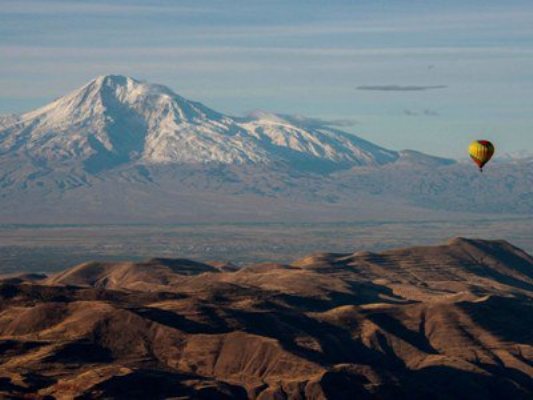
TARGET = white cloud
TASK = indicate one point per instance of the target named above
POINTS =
(400, 88)
(44, 7)
(38, 52)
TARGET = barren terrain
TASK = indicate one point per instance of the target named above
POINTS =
(442, 322)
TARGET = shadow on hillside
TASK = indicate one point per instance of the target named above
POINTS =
(153, 384)
(359, 293)
(81, 352)
(508, 318)
(177, 321)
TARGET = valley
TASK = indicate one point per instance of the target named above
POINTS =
(50, 248)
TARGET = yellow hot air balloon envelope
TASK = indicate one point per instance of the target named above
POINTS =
(481, 152)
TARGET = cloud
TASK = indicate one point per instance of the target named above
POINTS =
(46, 7)
(318, 122)
(43, 52)
(301, 120)
(400, 88)
(426, 112)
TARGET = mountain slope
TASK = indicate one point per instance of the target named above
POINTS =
(153, 274)
(120, 150)
(445, 322)
(115, 119)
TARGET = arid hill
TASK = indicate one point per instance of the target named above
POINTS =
(453, 321)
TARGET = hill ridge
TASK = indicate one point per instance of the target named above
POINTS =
(327, 326)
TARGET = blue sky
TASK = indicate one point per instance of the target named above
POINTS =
(427, 75)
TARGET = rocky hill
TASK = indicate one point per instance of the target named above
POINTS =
(447, 322)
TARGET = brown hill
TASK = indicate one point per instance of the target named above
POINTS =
(444, 322)
(151, 275)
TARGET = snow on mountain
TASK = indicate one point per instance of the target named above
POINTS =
(8, 120)
(116, 119)
(319, 141)
(122, 150)
(515, 156)
(412, 157)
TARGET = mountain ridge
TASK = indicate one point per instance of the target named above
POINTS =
(121, 150)
(446, 322)
(118, 119)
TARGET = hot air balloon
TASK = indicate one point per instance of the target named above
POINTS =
(481, 152)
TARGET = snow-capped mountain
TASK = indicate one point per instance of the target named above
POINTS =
(115, 119)
(120, 150)
(515, 156)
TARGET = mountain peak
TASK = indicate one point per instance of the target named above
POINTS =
(115, 119)
(131, 87)
(115, 79)
(93, 99)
